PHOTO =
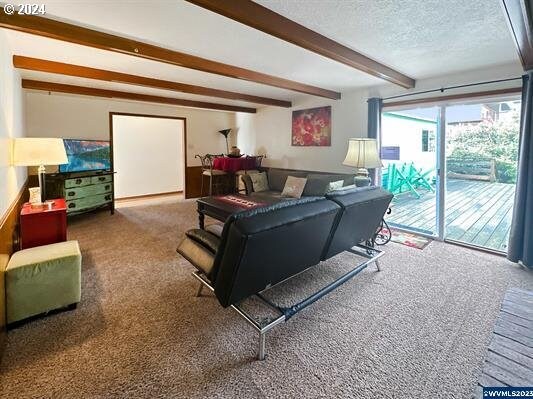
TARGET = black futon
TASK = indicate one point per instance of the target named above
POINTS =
(262, 247)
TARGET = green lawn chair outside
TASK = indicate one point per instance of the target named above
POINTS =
(406, 178)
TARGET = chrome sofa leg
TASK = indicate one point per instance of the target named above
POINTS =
(199, 292)
(377, 265)
(261, 354)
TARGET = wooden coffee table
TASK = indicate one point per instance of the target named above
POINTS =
(222, 207)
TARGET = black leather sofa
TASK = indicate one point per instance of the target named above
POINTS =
(316, 185)
(262, 247)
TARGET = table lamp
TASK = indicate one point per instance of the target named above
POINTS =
(39, 152)
(362, 154)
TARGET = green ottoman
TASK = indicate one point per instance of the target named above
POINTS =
(41, 279)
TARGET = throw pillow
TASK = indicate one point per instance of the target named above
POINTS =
(278, 177)
(294, 187)
(317, 184)
(259, 181)
(334, 185)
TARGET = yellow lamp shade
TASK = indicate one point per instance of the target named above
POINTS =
(31, 151)
(363, 153)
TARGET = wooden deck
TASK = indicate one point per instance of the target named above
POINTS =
(477, 212)
(509, 359)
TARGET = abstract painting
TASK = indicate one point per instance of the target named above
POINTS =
(312, 127)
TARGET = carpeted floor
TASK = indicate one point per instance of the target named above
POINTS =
(417, 329)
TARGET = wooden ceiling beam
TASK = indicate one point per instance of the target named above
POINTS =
(36, 64)
(519, 19)
(58, 30)
(124, 95)
(261, 18)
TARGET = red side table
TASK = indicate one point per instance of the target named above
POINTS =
(42, 226)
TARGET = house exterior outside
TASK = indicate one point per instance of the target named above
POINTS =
(409, 139)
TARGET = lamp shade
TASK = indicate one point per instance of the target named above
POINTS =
(39, 151)
(363, 153)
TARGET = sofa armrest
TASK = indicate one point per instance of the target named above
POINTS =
(199, 248)
(198, 256)
(208, 240)
(248, 185)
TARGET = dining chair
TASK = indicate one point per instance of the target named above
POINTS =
(216, 177)
(259, 160)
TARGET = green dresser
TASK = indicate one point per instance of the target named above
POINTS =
(83, 191)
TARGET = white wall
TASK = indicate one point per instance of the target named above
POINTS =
(11, 125)
(407, 134)
(69, 116)
(147, 155)
(269, 131)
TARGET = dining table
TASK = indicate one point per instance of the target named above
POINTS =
(232, 165)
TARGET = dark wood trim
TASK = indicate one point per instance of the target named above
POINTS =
(185, 171)
(488, 93)
(518, 16)
(58, 30)
(9, 222)
(261, 18)
(147, 196)
(36, 64)
(194, 182)
(90, 91)
(9, 236)
(148, 115)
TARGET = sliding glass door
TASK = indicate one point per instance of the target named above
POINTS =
(409, 144)
(452, 169)
(481, 161)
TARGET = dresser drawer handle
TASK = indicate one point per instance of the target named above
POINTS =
(102, 178)
(78, 181)
(107, 187)
(72, 205)
(108, 197)
(71, 193)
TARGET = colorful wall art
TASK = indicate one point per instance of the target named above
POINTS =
(312, 127)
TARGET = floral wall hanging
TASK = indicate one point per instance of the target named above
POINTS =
(312, 127)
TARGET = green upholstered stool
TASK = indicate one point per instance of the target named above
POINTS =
(42, 279)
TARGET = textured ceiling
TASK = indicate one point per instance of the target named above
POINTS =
(422, 38)
(419, 38)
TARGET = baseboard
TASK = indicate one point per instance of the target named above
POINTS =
(148, 196)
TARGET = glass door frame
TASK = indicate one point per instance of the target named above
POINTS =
(441, 174)
(440, 186)
(440, 165)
